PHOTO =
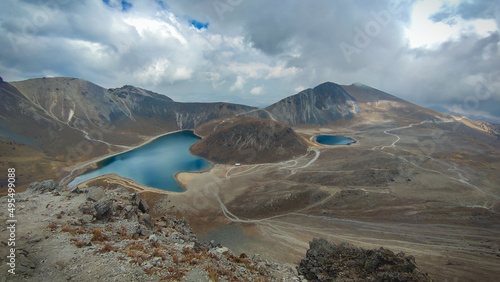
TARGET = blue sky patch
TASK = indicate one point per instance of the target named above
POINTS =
(199, 25)
(162, 5)
(124, 5)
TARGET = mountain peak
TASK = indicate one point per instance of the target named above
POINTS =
(324, 103)
(360, 85)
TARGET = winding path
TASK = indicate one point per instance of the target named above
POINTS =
(460, 178)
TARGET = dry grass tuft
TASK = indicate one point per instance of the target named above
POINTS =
(151, 271)
(135, 245)
(98, 235)
(78, 243)
(212, 273)
(107, 248)
(52, 226)
(73, 231)
(155, 244)
(158, 253)
(123, 233)
(174, 274)
(175, 258)
(137, 257)
(81, 230)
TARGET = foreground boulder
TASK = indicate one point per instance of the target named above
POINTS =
(326, 261)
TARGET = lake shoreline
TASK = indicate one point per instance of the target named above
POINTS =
(87, 166)
(340, 137)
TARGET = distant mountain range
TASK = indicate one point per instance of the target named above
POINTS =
(57, 122)
(471, 116)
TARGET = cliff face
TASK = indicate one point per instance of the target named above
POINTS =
(322, 104)
(250, 141)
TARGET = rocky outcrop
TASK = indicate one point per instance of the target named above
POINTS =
(250, 141)
(109, 235)
(326, 261)
(44, 186)
(324, 103)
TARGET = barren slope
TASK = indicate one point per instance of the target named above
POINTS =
(249, 141)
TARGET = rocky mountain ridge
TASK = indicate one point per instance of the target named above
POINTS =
(84, 105)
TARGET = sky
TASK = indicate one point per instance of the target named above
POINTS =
(256, 52)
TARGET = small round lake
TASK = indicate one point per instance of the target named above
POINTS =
(154, 164)
(334, 140)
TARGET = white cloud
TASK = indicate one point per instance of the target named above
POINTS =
(257, 91)
(299, 88)
(154, 73)
(157, 27)
(238, 84)
(423, 32)
(283, 50)
(263, 70)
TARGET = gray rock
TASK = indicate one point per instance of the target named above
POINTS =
(95, 193)
(146, 220)
(197, 275)
(138, 201)
(44, 186)
(128, 208)
(76, 190)
(87, 209)
(142, 230)
(143, 206)
(103, 208)
(153, 238)
(326, 261)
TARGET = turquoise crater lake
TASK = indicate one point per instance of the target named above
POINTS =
(154, 164)
(334, 140)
